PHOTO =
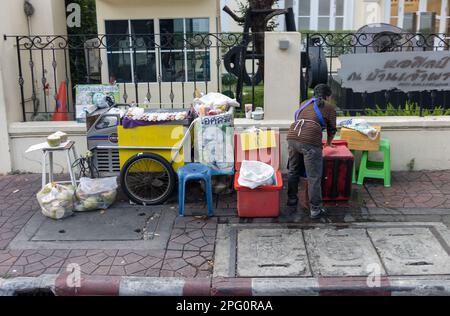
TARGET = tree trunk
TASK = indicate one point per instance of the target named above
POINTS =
(258, 27)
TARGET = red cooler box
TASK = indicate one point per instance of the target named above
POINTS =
(337, 172)
(263, 201)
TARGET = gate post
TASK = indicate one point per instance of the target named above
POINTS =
(5, 155)
(281, 75)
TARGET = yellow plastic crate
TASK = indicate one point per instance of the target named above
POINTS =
(260, 140)
(155, 136)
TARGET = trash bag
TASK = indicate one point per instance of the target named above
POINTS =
(213, 103)
(95, 194)
(255, 174)
(56, 200)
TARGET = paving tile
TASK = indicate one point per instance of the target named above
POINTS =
(117, 270)
(134, 268)
(101, 270)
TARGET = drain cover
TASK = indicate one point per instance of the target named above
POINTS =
(344, 252)
(411, 251)
(359, 249)
(271, 252)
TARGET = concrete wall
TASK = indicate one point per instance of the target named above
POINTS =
(5, 163)
(49, 18)
(23, 135)
(426, 140)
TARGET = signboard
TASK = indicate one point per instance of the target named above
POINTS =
(91, 97)
(405, 71)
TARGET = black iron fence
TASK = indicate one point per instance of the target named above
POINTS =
(324, 50)
(161, 70)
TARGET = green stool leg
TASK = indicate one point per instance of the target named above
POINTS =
(354, 168)
(363, 167)
(387, 163)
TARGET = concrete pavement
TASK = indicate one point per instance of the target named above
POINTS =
(159, 248)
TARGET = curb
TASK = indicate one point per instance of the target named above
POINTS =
(333, 286)
(172, 286)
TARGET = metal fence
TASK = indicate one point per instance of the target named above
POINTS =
(329, 46)
(162, 70)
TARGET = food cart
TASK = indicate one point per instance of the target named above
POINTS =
(145, 155)
(145, 147)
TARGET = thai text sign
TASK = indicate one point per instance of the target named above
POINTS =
(405, 71)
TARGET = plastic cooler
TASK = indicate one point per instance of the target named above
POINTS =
(263, 201)
(337, 172)
(336, 177)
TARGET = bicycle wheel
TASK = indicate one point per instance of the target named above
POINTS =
(147, 179)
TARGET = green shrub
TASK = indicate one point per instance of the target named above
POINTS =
(228, 80)
(409, 109)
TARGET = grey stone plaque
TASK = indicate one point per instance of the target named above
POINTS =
(271, 252)
(411, 251)
(344, 252)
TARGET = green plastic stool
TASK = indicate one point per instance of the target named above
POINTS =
(376, 169)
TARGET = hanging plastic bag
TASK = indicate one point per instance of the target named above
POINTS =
(95, 194)
(255, 174)
(213, 142)
(56, 200)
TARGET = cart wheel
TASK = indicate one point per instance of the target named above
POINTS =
(147, 179)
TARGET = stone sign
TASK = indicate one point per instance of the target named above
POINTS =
(405, 71)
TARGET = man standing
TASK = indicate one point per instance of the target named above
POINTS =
(305, 146)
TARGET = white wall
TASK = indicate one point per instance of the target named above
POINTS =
(49, 18)
(424, 139)
(282, 74)
(23, 135)
(5, 164)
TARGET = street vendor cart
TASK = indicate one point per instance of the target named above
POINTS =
(146, 153)
(148, 146)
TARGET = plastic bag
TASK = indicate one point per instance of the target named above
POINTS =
(362, 126)
(56, 200)
(94, 194)
(255, 174)
(213, 103)
(213, 142)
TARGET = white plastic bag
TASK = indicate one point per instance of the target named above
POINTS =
(215, 101)
(94, 194)
(362, 126)
(255, 173)
(56, 200)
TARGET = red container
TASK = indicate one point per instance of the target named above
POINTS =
(337, 172)
(263, 201)
(260, 202)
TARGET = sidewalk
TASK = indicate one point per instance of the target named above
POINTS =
(155, 242)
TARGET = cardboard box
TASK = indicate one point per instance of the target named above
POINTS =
(359, 141)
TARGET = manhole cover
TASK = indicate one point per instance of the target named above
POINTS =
(344, 252)
(120, 227)
(271, 252)
(114, 224)
(411, 251)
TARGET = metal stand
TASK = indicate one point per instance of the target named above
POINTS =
(48, 152)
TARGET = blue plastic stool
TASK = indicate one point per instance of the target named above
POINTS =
(194, 171)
